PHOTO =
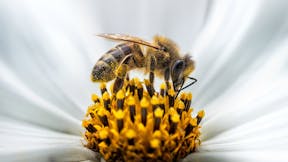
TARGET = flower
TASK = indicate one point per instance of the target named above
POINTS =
(136, 124)
(48, 50)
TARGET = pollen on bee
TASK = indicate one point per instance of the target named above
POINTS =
(140, 124)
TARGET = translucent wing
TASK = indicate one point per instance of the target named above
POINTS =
(128, 38)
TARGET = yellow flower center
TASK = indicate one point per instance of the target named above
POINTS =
(138, 124)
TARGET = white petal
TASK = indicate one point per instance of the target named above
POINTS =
(234, 42)
(239, 156)
(18, 101)
(20, 141)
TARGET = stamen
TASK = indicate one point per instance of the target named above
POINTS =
(200, 116)
(144, 110)
(174, 122)
(131, 134)
(158, 113)
(106, 100)
(136, 124)
(132, 86)
(139, 90)
(119, 115)
(120, 99)
(103, 88)
(132, 108)
(188, 101)
(95, 98)
(149, 87)
(154, 102)
(162, 89)
(180, 108)
(171, 95)
(102, 116)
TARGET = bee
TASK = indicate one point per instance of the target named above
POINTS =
(161, 57)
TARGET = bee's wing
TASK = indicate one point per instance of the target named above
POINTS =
(128, 38)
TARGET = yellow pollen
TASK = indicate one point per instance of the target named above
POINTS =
(193, 122)
(155, 143)
(154, 100)
(131, 101)
(144, 103)
(158, 112)
(140, 123)
(181, 105)
(183, 96)
(106, 96)
(120, 94)
(163, 86)
(94, 97)
(101, 112)
(102, 85)
(175, 118)
(119, 114)
(103, 134)
(171, 92)
(189, 96)
(130, 134)
(201, 114)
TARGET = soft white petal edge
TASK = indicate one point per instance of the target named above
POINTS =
(20, 141)
(239, 156)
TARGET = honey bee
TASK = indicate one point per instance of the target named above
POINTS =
(161, 57)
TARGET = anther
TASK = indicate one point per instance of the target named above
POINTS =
(104, 136)
(89, 127)
(139, 90)
(95, 98)
(120, 99)
(171, 95)
(180, 108)
(162, 103)
(154, 144)
(154, 102)
(174, 122)
(106, 100)
(183, 97)
(131, 134)
(103, 88)
(102, 116)
(149, 87)
(158, 113)
(162, 89)
(188, 101)
(132, 108)
(119, 115)
(192, 124)
(132, 86)
(200, 116)
(144, 110)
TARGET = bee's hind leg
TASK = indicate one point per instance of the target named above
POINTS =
(167, 77)
(121, 74)
(152, 69)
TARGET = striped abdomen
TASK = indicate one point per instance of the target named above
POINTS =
(104, 69)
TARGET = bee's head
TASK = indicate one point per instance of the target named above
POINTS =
(180, 70)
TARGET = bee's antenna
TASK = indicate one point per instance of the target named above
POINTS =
(194, 80)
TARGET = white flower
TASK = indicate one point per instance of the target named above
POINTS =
(48, 48)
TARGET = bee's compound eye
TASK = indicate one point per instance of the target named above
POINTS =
(177, 69)
(177, 73)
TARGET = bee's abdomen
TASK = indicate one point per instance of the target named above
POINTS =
(114, 56)
(108, 63)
